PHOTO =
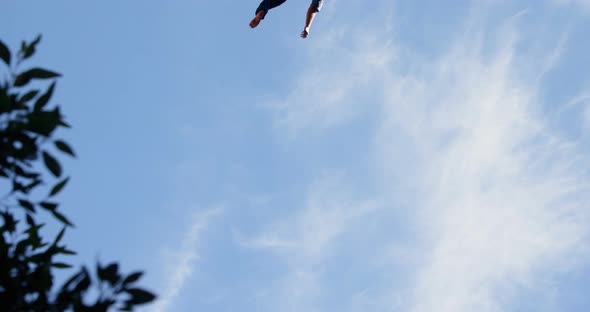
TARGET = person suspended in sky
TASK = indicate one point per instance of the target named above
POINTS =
(266, 5)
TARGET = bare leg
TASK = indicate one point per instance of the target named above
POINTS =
(311, 12)
(263, 8)
(256, 20)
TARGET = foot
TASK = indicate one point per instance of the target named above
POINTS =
(256, 20)
(305, 32)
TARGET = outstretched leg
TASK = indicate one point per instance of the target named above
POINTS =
(263, 8)
(256, 20)
(314, 8)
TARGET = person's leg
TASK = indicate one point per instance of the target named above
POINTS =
(263, 8)
(314, 7)
(267, 5)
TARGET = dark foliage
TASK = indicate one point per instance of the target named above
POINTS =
(28, 165)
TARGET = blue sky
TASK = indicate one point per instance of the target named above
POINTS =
(407, 156)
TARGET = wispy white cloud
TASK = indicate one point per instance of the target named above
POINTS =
(498, 195)
(328, 92)
(582, 3)
(306, 240)
(581, 103)
(504, 196)
(181, 267)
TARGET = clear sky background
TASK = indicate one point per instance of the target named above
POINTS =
(408, 156)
